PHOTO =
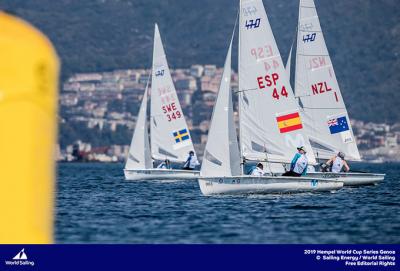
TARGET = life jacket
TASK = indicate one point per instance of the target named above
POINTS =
(301, 164)
(337, 165)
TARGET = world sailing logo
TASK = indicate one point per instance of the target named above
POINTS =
(21, 255)
(21, 259)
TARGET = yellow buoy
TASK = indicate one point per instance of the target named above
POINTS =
(29, 70)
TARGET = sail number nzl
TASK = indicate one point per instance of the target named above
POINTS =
(322, 87)
(271, 80)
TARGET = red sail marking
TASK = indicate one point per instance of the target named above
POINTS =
(286, 117)
(290, 128)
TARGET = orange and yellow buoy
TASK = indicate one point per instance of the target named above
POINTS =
(29, 70)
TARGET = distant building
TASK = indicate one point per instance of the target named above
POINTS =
(116, 115)
(144, 77)
(99, 112)
(71, 86)
(196, 71)
(209, 70)
(185, 97)
(134, 76)
(209, 98)
(109, 86)
(69, 99)
(86, 77)
(110, 77)
(87, 87)
(186, 83)
(391, 141)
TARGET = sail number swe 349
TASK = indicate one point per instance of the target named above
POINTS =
(271, 80)
(171, 112)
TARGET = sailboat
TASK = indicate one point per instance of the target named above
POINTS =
(325, 116)
(169, 134)
(270, 125)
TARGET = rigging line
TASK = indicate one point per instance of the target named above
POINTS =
(324, 107)
(266, 58)
(244, 90)
(301, 96)
(242, 158)
(310, 31)
(313, 55)
(310, 17)
(265, 160)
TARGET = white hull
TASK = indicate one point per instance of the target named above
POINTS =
(265, 185)
(159, 174)
(351, 178)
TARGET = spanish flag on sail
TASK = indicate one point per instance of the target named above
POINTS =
(289, 122)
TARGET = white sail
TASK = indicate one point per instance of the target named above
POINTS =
(139, 156)
(170, 136)
(221, 155)
(325, 115)
(270, 123)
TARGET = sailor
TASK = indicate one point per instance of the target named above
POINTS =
(191, 162)
(165, 165)
(298, 166)
(258, 170)
(337, 163)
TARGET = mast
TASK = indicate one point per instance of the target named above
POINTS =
(242, 159)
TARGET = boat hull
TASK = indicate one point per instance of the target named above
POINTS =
(265, 185)
(160, 174)
(351, 178)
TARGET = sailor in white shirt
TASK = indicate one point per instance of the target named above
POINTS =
(191, 162)
(258, 170)
(337, 163)
(299, 164)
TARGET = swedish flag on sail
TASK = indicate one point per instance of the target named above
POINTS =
(181, 135)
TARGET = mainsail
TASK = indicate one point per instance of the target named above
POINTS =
(271, 126)
(170, 136)
(139, 156)
(325, 115)
(221, 155)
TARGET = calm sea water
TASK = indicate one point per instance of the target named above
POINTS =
(96, 205)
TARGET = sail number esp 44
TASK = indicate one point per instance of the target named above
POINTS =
(271, 80)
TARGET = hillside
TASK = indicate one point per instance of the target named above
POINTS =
(99, 35)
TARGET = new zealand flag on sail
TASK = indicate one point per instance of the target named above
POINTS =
(338, 125)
